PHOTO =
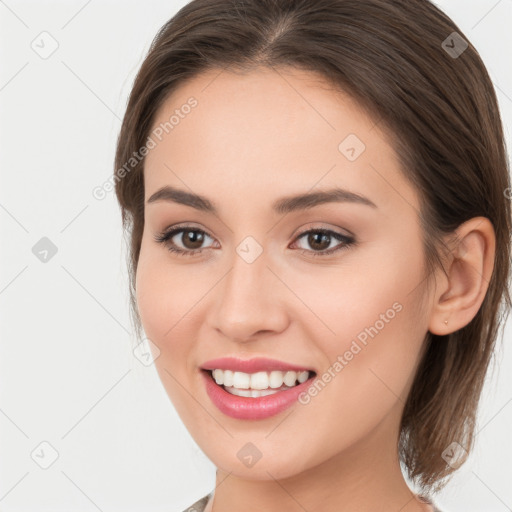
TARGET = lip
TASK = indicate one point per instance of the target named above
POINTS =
(257, 364)
(245, 408)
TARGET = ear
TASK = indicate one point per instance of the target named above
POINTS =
(461, 291)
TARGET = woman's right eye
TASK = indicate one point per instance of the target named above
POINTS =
(190, 238)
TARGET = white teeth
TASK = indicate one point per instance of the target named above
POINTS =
(290, 378)
(227, 378)
(251, 393)
(259, 380)
(276, 379)
(303, 377)
(264, 382)
(218, 375)
(241, 380)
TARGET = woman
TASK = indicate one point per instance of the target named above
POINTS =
(317, 199)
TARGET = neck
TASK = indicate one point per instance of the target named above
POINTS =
(366, 477)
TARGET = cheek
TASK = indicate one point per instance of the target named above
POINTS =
(152, 302)
(162, 293)
(370, 306)
(169, 304)
(162, 309)
(160, 312)
(379, 333)
(372, 289)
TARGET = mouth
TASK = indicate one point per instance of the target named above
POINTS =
(257, 395)
(258, 384)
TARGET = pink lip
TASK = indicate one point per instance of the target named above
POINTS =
(245, 408)
(257, 364)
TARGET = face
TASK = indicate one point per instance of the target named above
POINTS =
(331, 287)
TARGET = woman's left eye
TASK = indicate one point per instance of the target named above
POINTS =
(323, 237)
(319, 238)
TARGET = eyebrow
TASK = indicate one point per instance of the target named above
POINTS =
(281, 206)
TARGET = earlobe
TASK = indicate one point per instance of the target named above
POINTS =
(469, 270)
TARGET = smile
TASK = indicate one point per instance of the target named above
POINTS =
(264, 389)
(258, 384)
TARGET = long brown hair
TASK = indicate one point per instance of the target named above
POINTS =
(401, 61)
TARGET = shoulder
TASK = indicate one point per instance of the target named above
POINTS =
(199, 505)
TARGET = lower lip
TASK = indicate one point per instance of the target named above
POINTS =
(244, 408)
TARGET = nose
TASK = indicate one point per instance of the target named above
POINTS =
(249, 301)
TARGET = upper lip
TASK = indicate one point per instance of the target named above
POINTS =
(257, 364)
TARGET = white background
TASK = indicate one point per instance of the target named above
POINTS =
(67, 373)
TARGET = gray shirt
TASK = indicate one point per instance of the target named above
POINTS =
(200, 505)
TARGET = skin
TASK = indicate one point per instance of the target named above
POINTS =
(253, 138)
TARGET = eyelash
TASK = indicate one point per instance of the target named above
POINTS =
(165, 237)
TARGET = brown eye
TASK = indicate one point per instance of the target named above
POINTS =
(192, 239)
(319, 240)
(188, 241)
(184, 241)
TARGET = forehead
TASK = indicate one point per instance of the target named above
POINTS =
(282, 130)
